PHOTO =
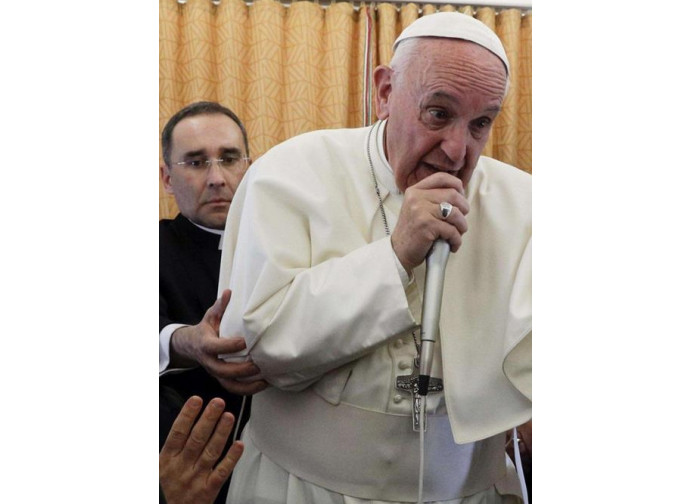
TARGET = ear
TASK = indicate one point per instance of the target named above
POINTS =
(382, 83)
(165, 177)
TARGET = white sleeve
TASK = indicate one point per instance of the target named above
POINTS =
(308, 293)
(404, 277)
(164, 348)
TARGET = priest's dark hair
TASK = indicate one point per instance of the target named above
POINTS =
(196, 109)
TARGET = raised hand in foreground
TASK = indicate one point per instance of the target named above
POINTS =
(187, 466)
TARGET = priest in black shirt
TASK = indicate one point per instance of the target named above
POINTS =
(206, 154)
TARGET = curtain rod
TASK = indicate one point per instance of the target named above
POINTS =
(518, 4)
(504, 4)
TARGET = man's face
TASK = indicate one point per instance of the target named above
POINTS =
(440, 111)
(203, 194)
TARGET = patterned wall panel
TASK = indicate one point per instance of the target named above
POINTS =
(334, 98)
(524, 142)
(196, 58)
(428, 9)
(505, 129)
(487, 15)
(364, 38)
(169, 100)
(265, 87)
(388, 31)
(408, 14)
(232, 60)
(303, 56)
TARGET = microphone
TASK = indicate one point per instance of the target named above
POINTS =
(436, 261)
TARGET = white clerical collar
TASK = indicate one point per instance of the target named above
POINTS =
(219, 232)
(383, 169)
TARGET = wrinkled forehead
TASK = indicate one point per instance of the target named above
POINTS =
(459, 64)
(455, 51)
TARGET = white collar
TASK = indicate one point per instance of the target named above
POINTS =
(219, 232)
(382, 168)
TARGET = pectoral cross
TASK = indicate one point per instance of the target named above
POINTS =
(410, 384)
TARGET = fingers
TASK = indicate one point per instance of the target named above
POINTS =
(214, 448)
(243, 388)
(179, 432)
(424, 219)
(238, 370)
(457, 200)
(221, 369)
(203, 429)
(225, 467)
(213, 345)
(452, 236)
(426, 205)
(441, 180)
(453, 227)
(215, 313)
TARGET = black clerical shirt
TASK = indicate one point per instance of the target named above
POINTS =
(189, 264)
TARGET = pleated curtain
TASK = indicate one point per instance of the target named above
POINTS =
(289, 69)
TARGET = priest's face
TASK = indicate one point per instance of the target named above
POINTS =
(203, 193)
(441, 98)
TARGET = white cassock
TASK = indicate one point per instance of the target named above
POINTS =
(318, 295)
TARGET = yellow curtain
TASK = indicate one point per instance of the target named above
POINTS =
(286, 70)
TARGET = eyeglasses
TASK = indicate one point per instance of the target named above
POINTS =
(225, 163)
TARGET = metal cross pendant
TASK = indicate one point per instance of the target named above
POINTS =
(410, 384)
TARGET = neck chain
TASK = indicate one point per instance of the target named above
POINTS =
(373, 175)
(385, 220)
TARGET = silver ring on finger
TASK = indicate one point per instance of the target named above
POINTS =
(446, 209)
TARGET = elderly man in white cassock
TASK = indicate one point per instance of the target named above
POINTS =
(325, 256)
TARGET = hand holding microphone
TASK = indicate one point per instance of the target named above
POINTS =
(425, 217)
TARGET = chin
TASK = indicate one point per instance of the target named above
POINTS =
(466, 176)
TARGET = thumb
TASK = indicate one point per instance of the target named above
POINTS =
(215, 313)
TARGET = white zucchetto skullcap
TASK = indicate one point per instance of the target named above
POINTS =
(457, 26)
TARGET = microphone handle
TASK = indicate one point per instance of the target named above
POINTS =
(436, 261)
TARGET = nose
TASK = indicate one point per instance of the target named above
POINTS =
(214, 176)
(454, 144)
